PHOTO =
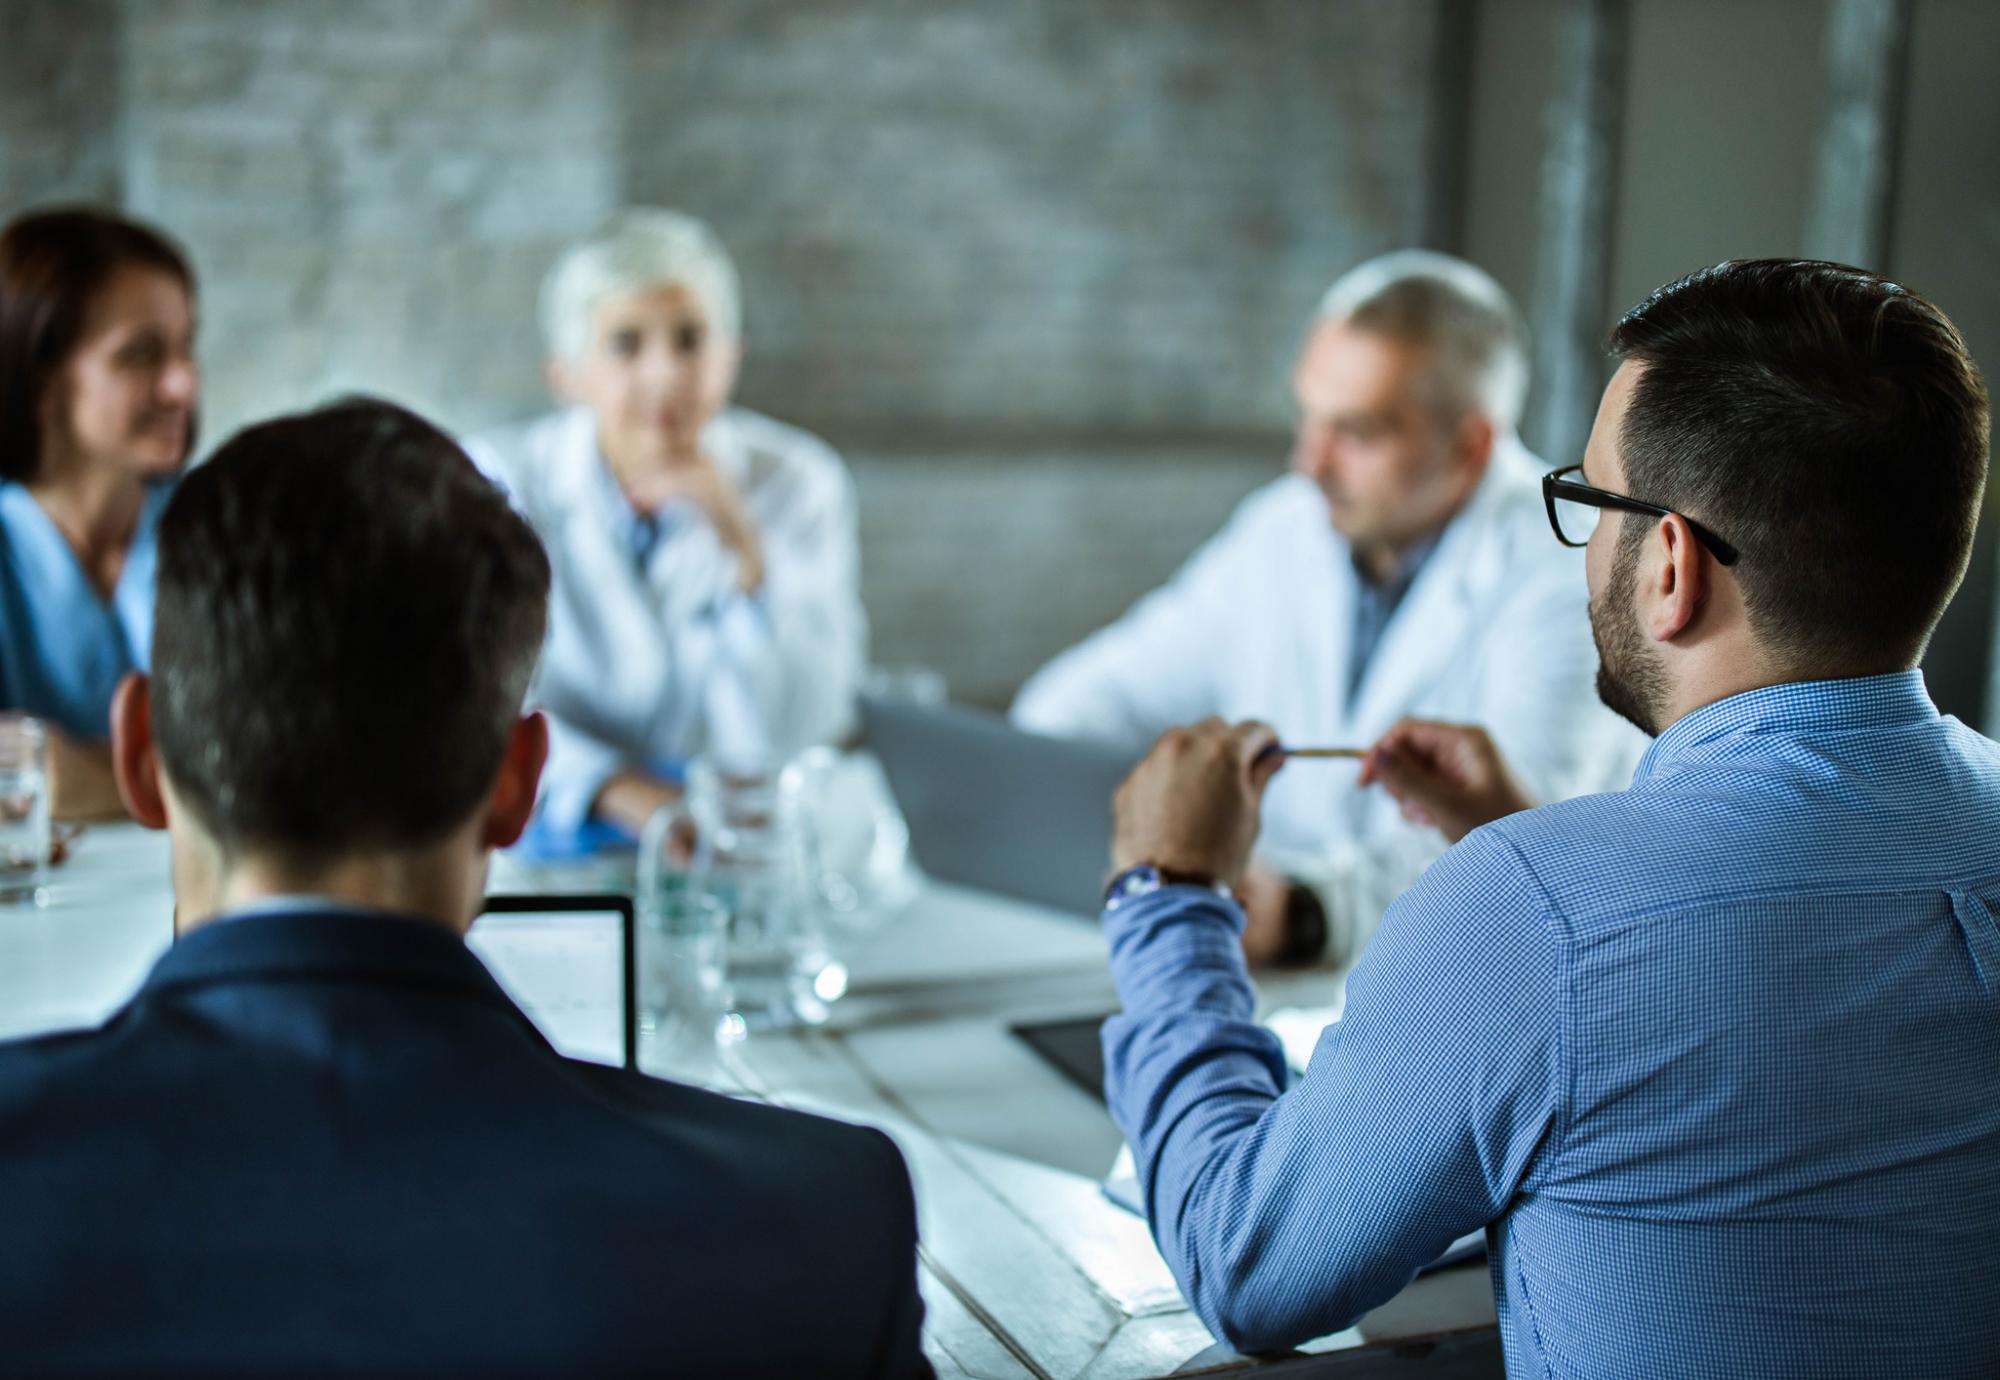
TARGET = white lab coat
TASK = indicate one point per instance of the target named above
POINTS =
(657, 664)
(1259, 625)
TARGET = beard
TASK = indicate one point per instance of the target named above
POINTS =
(1629, 677)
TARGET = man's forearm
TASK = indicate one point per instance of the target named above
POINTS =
(1187, 1067)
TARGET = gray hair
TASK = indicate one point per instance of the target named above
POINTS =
(1478, 334)
(642, 247)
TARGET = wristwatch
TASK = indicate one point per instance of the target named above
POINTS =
(1145, 879)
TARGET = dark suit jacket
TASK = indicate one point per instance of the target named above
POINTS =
(328, 1144)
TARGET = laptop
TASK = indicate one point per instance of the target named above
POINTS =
(993, 807)
(569, 963)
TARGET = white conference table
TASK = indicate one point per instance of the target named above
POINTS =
(1027, 1269)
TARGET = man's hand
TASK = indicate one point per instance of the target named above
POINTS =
(1449, 776)
(1191, 806)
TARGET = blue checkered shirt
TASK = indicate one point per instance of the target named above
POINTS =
(1717, 1058)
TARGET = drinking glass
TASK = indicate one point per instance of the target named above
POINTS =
(744, 841)
(858, 841)
(683, 961)
(24, 811)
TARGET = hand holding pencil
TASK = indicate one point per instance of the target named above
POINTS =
(1450, 776)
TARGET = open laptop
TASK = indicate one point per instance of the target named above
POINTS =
(569, 964)
(993, 807)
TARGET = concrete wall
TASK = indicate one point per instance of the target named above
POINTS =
(59, 112)
(974, 218)
(1037, 268)
(1023, 263)
(1944, 241)
(371, 190)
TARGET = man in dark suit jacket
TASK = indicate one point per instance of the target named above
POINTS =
(320, 1139)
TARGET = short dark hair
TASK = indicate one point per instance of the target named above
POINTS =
(347, 619)
(1832, 426)
(52, 263)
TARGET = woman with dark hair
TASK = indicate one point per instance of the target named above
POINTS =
(98, 390)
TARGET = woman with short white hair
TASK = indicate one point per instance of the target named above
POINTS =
(706, 572)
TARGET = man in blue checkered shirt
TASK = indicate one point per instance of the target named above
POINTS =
(1716, 1059)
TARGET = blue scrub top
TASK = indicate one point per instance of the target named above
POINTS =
(63, 650)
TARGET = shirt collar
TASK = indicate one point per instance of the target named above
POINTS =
(1410, 564)
(301, 903)
(330, 939)
(1822, 705)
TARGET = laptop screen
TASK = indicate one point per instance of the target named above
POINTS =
(992, 807)
(567, 962)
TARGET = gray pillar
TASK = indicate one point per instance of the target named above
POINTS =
(1570, 310)
(1854, 183)
(1449, 119)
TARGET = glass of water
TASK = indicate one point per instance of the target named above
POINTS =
(24, 811)
(683, 962)
(743, 841)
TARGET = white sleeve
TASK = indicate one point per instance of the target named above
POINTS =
(577, 769)
(1155, 667)
(785, 664)
(818, 633)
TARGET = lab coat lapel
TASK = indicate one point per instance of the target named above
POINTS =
(1426, 636)
(607, 594)
(1329, 593)
(1305, 622)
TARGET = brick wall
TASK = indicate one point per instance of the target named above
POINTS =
(1037, 267)
(59, 75)
(984, 563)
(372, 189)
(1093, 216)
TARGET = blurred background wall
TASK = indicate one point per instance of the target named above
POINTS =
(1037, 269)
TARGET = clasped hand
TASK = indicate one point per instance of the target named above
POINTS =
(698, 480)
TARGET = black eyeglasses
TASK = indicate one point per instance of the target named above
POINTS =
(1574, 509)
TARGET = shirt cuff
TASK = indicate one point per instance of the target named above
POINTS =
(1178, 949)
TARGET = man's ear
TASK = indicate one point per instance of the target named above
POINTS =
(134, 759)
(1672, 579)
(512, 803)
